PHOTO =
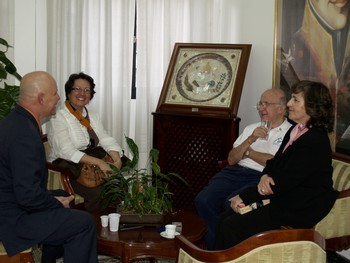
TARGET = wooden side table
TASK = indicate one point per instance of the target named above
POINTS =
(146, 242)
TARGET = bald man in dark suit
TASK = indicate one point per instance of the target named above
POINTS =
(29, 213)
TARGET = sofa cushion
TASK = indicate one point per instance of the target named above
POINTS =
(341, 175)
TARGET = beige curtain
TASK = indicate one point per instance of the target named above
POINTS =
(95, 37)
(160, 24)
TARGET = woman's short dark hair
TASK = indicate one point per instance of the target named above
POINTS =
(318, 103)
(73, 77)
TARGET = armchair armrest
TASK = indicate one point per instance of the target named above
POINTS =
(335, 227)
(65, 173)
(307, 245)
(59, 176)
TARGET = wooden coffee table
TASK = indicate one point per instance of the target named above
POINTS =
(146, 242)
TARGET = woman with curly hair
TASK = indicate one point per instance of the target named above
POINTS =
(75, 132)
(298, 180)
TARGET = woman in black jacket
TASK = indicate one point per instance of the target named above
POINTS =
(298, 180)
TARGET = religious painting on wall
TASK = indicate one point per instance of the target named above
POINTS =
(312, 42)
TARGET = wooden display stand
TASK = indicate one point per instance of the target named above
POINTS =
(196, 123)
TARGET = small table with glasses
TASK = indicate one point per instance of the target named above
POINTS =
(146, 241)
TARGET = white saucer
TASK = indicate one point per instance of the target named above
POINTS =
(163, 234)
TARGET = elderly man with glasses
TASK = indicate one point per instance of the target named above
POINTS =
(246, 160)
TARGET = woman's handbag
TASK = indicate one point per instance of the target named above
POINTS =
(91, 176)
(88, 175)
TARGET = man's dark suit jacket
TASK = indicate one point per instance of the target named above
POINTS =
(24, 200)
(303, 191)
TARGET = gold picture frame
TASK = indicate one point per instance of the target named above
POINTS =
(205, 79)
(288, 19)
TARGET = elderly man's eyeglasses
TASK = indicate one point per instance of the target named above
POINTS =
(81, 90)
(265, 104)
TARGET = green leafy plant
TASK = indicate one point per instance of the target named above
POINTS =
(139, 191)
(8, 94)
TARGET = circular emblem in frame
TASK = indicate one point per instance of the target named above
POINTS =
(204, 77)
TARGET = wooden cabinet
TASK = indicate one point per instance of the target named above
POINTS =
(195, 123)
(191, 146)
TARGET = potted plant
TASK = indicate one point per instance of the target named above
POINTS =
(8, 94)
(138, 191)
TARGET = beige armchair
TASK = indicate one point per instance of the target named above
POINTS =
(335, 227)
(59, 177)
(288, 246)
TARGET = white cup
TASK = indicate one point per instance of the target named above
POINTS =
(170, 230)
(267, 125)
(114, 221)
(104, 221)
(178, 226)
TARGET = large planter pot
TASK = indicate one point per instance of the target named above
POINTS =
(147, 219)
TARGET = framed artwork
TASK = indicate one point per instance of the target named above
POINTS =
(312, 42)
(204, 79)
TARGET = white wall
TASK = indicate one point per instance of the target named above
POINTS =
(30, 35)
(257, 23)
(257, 28)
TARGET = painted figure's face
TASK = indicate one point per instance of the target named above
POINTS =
(333, 12)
